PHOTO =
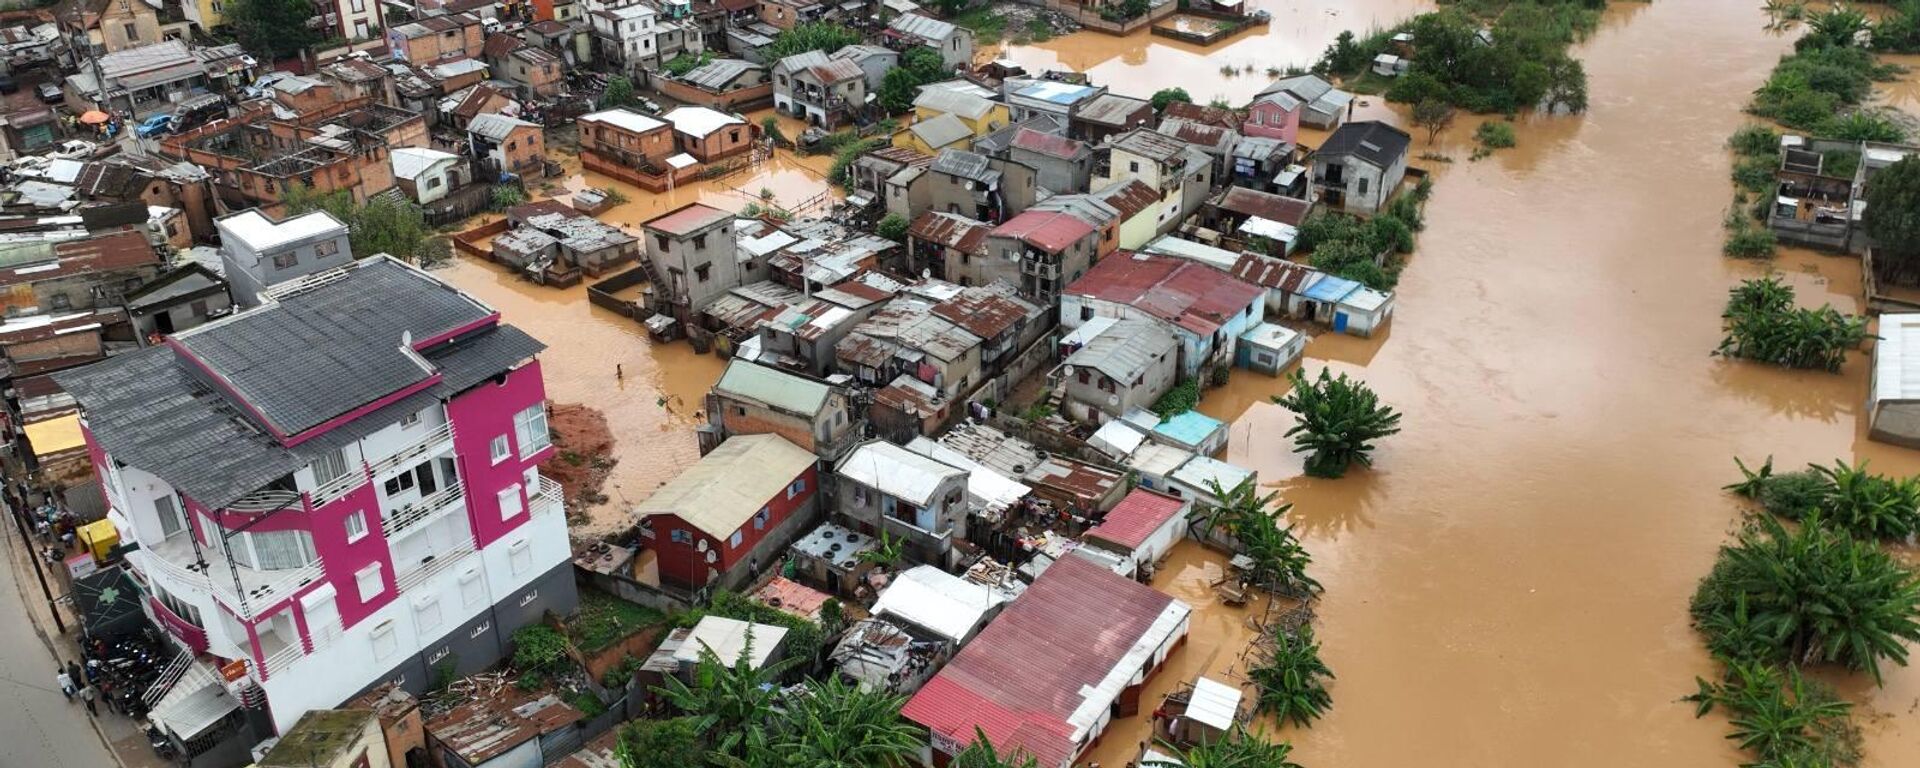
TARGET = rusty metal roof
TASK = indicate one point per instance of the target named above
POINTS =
(1136, 517)
(481, 730)
(121, 250)
(953, 231)
(986, 311)
(687, 219)
(1129, 196)
(1251, 202)
(1050, 231)
(1286, 276)
(1049, 144)
(1193, 296)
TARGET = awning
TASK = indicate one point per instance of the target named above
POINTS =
(681, 160)
(56, 435)
(192, 711)
(1214, 704)
(1287, 175)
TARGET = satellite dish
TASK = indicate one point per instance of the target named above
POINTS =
(703, 545)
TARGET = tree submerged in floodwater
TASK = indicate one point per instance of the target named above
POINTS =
(1251, 521)
(1291, 678)
(1338, 419)
(1762, 324)
(1239, 749)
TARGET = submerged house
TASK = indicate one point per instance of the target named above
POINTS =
(1360, 165)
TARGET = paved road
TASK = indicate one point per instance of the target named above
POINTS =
(38, 727)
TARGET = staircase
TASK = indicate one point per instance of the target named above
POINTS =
(194, 677)
(168, 677)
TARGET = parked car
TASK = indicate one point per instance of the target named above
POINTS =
(8, 84)
(154, 126)
(51, 93)
(74, 149)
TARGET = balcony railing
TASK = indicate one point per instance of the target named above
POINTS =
(439, 564)
(279, 660)
(266, 501)
(915, 536)
(550, 498)
(423, 511)
(405, 456)
(257, 590)
(332, 490)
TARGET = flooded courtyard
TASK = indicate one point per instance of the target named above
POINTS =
(1509, 587)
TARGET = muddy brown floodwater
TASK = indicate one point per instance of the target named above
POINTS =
(1509, 587)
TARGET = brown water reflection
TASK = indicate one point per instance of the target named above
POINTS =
(1509, 586)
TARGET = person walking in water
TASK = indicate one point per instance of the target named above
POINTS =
(66, 682)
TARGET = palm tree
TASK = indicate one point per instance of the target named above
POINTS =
(837, 725)
(1815, 593)
(1240, 749)
(886, 551)
(732, 703)
(1839, 25)
(1338, 420)
(1279, 561)
(982, 754)
(1292, 678)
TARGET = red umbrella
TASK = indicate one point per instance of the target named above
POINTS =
(95, 117)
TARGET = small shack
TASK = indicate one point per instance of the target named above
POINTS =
(1346, 306)
(829, 557)
(1191, 431)
(1144, 526)
(1269, 348)
(1204, 713)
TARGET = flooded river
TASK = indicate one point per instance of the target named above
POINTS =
(1509, 587)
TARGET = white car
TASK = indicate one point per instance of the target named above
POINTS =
(74, 149)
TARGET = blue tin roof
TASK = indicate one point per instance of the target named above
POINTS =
(1330, 289)
(1190, 428)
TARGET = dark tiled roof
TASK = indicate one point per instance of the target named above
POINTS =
(326, 351)
(1370, 140)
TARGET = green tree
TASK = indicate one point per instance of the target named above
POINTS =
(901, 85)
(1251, 520)
(507, 196)
(381, 225)
(1291, 678)
(892, 227)
(731, 702)
(886, 551)
(811, 36)
(1163, 97)
(1239, 749)
(1780, 716)
(1762, 324)
(1809, 594)
(618, 93)
(1840, 26)
(1892, 218)
(273, 29)
(1338, 420)
(836, 724)
(1434, 115)
(674, 743)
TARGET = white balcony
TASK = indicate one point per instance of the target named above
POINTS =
(266, 501)
(434, 442)
(424, 511)
(433, 565)
(332, 490)
(548, 500)
(245, 591)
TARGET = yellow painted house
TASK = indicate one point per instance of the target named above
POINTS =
(944, 118)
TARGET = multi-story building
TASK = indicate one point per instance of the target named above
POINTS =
(691, 251)
(357, 20)
(625, 34)
(978, 187)
(254, 157)
(437, 37)
(334, 492)
(823, 91)
(258, 253)
(1179, 171)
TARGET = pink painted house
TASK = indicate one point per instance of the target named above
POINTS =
(332, 491)
(1273, 115)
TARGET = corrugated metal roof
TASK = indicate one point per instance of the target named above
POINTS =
(1048, 669)
(1050, 231)
(1370, 140)
(1251, 202)
(1194, 296)
(1286, 276)
(953, 231)
(716, 75)
(941, 131)
(990, 492)
(939, 601)
(775, 388)
(986, 311)
(687, 219)
(953, 102)
(1137, 516)
(1129, 195)
(722, 491)
(1125, 351)
(1150, 144)
(1113, 109)
(1049, 144)
(896, 471)
(966, 165)
(924, 27)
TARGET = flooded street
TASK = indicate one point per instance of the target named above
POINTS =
(1509, 587)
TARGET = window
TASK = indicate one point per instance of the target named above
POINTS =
(356, 525)
(330, 465)
(326, 248)
(661, 241)
(133, 32)
(733, 542)
(510, 146)
(170, 521)
(384, 641)
(1363, 186)
(359, 6)
(61, 301)
(410, 420)
(520, 557)
(530, 429)
(399, 484)
(799, 486)
(426, 611)
(699, 242)
(760, 518)
(369, 582)
(323, 616)
(530, 479)
(498, 449)
(285, 260)
(273, 550)
(680, 537)
(433, 182)
(472, 590)
(510, 503)
(1133, 166)
(703, 272)
(1086, 312)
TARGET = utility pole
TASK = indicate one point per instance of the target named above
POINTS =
(26, 539)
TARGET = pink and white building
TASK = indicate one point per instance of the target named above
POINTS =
(332, 491)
